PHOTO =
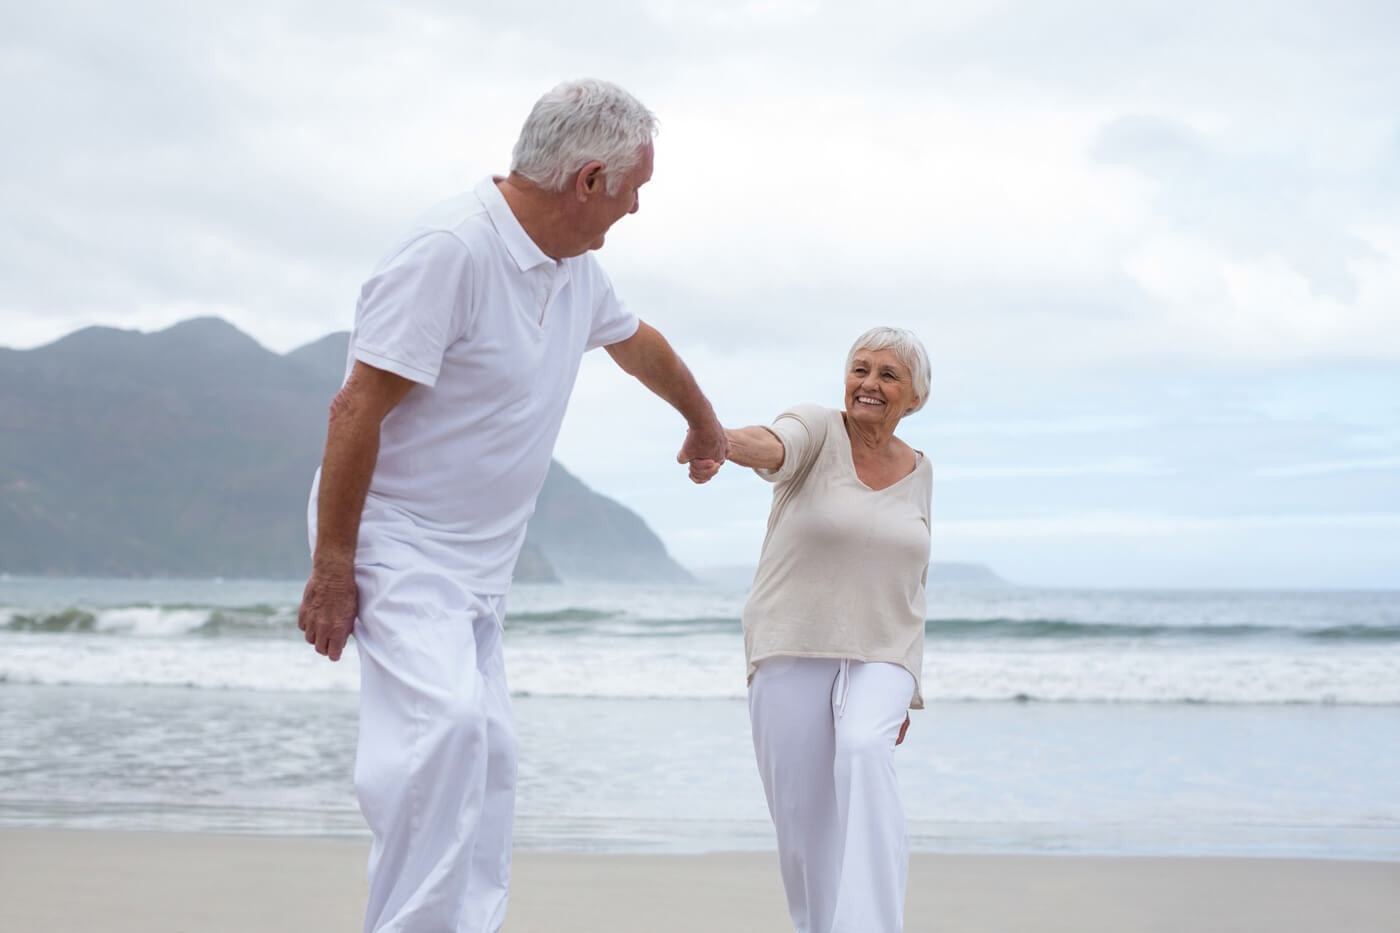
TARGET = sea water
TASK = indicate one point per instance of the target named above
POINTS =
(1079, 721)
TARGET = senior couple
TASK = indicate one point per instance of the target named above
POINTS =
(467, 340)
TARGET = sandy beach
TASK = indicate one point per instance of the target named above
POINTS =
(120, 881)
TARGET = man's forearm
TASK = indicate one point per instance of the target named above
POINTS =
(649, 357)
(352, 449)
(330, 602)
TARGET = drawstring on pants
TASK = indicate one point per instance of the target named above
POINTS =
(842, 688)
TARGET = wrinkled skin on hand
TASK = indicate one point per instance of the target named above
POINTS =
(328, 609)
(702, 471)
(705, 449)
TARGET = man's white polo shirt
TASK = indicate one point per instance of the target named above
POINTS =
(493, 331)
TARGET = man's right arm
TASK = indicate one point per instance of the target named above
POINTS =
(330, 602)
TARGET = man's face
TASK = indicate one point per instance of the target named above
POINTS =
(604, 209)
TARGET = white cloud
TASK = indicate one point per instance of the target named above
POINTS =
(912, 186)
(1215, 305)
(1079, 205)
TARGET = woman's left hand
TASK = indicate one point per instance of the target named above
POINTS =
(903, 729)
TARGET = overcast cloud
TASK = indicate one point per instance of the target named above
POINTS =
(1154, 248)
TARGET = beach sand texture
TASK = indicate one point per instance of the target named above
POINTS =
(122, 882)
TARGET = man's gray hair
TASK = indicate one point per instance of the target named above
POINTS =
(579, 122)
(907, 347)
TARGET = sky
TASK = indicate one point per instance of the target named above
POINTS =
(1153, 248)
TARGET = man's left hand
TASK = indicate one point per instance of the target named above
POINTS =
(705, 449)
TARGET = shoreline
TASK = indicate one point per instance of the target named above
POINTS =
(123, 882)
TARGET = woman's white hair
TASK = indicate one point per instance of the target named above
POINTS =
(905, 346)
(579, 122)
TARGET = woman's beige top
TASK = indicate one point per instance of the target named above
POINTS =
(843, 567)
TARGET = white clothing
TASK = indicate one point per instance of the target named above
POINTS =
(824, 733)
(493, 331)
(435, 765)
(843, 566)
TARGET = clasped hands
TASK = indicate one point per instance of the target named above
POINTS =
(705, 450)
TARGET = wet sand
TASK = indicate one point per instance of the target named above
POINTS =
(123, 882)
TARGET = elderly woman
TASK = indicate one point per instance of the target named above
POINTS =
(834, 634)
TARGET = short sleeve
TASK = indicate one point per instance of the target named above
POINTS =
(802, 430)
(414, 306)
(612, 322)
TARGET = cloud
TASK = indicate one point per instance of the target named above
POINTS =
(1151, 247)
(1257, 206)
(262, 158)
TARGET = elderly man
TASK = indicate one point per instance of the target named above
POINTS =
(467, 341)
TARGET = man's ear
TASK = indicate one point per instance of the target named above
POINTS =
(589, 180)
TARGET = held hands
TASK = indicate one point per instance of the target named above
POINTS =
(705, 449)
(328, 609)
(702, 471)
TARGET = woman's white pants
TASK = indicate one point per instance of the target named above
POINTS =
(435, 765)
(824, 732)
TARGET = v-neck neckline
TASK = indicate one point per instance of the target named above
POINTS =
(851, 459)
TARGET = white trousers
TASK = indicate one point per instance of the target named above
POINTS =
(824, 732)
(435, 765)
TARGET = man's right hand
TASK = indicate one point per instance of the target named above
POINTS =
(328, 609)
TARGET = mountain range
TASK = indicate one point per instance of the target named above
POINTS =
(189, 452)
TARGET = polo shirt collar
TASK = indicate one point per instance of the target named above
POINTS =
(518, 243)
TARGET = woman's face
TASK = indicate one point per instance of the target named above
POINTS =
(879, 389)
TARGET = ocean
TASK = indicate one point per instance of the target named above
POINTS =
(1058, 720)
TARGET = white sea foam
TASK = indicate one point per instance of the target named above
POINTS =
(31, 658)
(151, 622)
(1159, 723)
(1105, 676)
(711, 666)
(682, 642)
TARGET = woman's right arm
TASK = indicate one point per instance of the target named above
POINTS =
(755, 446)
